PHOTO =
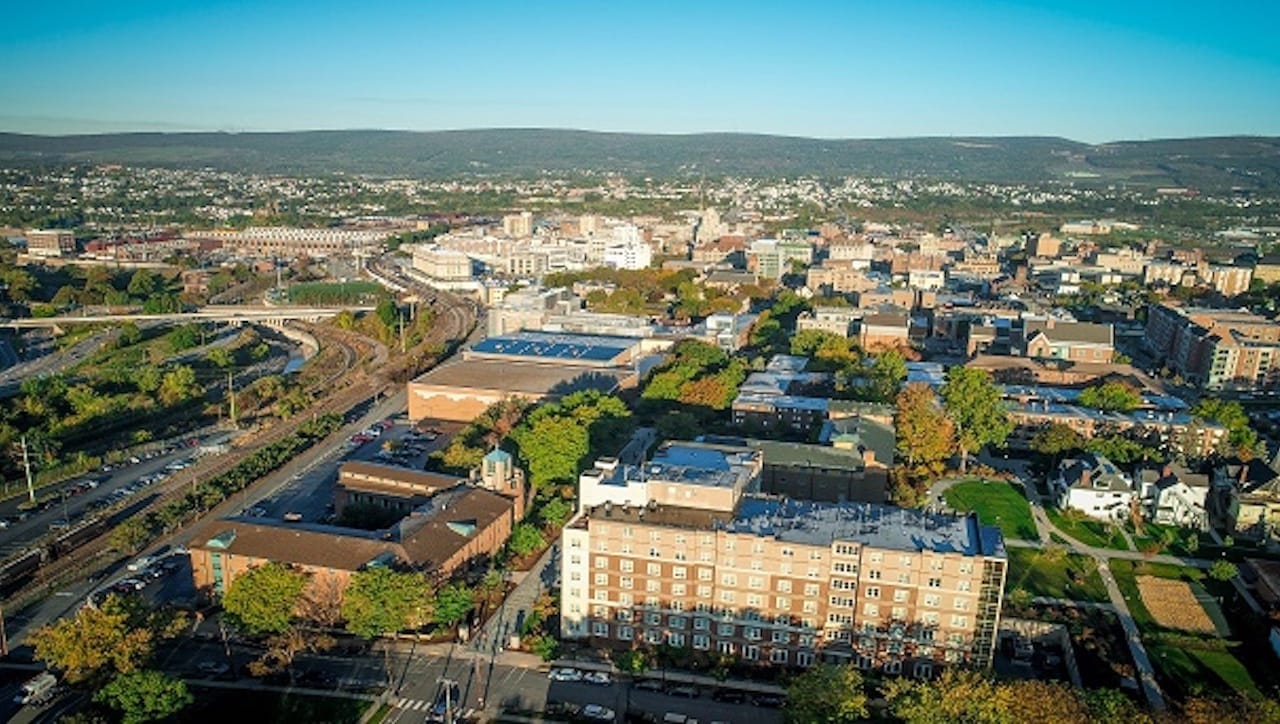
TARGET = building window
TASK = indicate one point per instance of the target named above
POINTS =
(784, 586)
(602, 562)
(701, 642)
(751, 633)
(626, 633)
(727, 597)
(599, 628)
(677, 589)
(935, 583)
(675, 638)
(900, 595)
(724, 630)
(755, 600)
(809, 607)
(778, 656)
(653, 586)
(873, 575)
(704, 574)
(804, 658)
(782, 603)
(602, 579)
(701, 624)
(961, 604)
(960, 622)
(781, 637)
(679, 573)
(653, 569)
(726, 648)
(871, 609)
(728, 579)
(623, 582)
(627, 565)
(873, 592)
(751, 653)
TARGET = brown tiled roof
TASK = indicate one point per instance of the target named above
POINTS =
(425, 538)
(425, 483)
(429, 538)
(320, 546)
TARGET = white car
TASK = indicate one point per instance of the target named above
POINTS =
(563, 674)
(597, 677)
(141, 563)
(595, 712)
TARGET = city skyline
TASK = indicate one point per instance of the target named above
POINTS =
(1088, 72)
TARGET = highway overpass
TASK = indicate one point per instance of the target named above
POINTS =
(274, 316)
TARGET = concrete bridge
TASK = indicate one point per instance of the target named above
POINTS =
(274, 316)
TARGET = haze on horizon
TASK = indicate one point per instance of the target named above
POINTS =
(1088, 71)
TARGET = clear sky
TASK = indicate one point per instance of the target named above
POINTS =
(1091, 71)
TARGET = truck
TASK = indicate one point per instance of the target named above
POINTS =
(37, 690)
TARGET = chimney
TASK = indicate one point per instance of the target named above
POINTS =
(1086, 476)
(868, 457)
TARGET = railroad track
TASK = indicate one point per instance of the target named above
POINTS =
(357, 352)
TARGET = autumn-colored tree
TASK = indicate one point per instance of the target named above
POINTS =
(111, 637)
(925, 434)
(958, 695)
(1045, 702)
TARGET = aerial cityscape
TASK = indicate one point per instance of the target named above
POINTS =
(728, 363)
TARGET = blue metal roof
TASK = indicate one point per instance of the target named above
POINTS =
(592, 348)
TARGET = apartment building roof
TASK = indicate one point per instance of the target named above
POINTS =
(755, 399)
(878, 526)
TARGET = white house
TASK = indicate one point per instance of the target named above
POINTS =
(1094, 485)
(1173, 495)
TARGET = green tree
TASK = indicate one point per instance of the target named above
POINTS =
(130, 536)
(525, 539)
(143, 284)
(974, 405)
(263, 599)
(220, 357)
(1223, 570)
(182, 338)
(453, 602)
(924, 433)
(555, 512)
(826, 693)
(380, 601)
(887, 375)
(129, 334)
(178, 385)
(552, 448)
(1057, 439)
(144, 696)
(1111, 397)
(956, 696)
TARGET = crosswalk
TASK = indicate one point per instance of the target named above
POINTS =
(423, 705)
(411, 704)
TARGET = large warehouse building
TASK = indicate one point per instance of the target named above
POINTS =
(533, 365)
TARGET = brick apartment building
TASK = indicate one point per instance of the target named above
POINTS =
(683, 551)
(1220, 349)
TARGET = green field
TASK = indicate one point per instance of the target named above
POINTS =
(1055, 575)
(354, 292)
(1194, 670)
(1089, 532)
(997, 503)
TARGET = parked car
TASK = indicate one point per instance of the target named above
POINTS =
(649, 685)
(212, 668)
(772, 701)
(599, 678)
(141, 563)
(596, 712)
(565, 674)
(684, 691)
(729, 696)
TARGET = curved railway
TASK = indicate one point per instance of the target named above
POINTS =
(358, 378)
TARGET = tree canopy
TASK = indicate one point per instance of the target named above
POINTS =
(826, 693)
(973, 404)
(924, 432)
(263, 599)
(112, 637)
(1111, 397)
(381, 600)
(145, 696)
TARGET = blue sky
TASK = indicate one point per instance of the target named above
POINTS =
(1090, 71)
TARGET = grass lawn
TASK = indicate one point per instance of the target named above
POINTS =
(1055, 575)
(218, 706)
(997, 503)
(1193, 670)
(1089, 532)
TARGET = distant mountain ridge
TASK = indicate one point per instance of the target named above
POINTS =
(1208, 164)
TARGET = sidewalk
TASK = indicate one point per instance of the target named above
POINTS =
(673, 676)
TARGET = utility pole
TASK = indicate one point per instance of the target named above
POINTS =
(4, 636)
(448, 698)
(26, 463)
(231, 395)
